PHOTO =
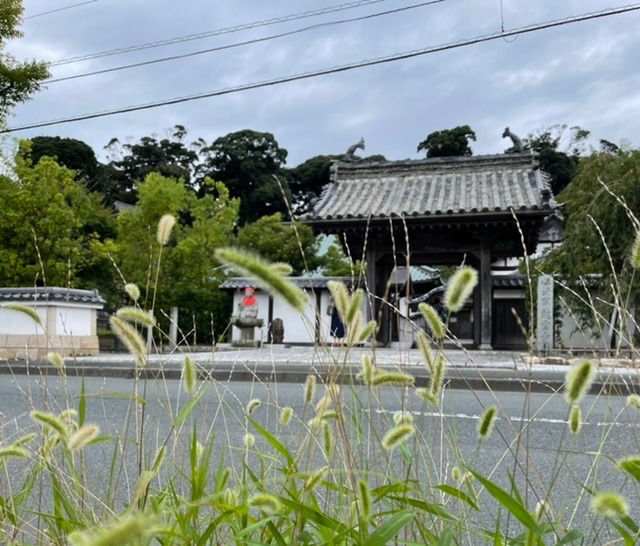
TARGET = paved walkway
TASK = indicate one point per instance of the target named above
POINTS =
(504, 370)
(316, 356)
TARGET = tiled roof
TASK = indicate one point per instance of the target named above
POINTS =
(48, 294)
(446, 186)
(513, 280)
(302, 282)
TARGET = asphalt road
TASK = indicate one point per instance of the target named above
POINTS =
(531, 440)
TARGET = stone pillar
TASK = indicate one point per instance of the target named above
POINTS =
(544, 316)
(173, 329)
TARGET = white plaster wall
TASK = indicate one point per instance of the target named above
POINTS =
(17, 323)
(299, 327)
(74, 321)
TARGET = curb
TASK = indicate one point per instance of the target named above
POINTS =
(608, 381)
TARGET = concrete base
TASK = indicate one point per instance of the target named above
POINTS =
(255, 343)
(37, 347)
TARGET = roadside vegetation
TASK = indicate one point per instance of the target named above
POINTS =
(336, 469)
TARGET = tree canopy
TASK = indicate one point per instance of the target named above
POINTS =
(599, 230)
(187, 275)
(559, 149)
(251, 165)
(18, 80)
(49, 225)
(448, 142)
(294, 244)
(68, 152)
(169, 156)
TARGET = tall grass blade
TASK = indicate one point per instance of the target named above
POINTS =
(389, 529)
(506, 500)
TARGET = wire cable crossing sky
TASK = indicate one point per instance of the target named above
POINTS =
(351, 66)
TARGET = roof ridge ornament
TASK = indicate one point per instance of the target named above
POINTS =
(350, 156)
(518, 146)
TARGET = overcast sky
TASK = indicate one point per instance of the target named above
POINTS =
(584, 73)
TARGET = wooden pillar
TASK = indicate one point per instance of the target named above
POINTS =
(486, 294)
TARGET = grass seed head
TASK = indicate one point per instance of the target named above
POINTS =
(367, 331)
(402, 417)
(131, 339)
(609, 504)
(165, 226)
(354, 330)
(459, 288)
(340, 296)
(127, 530)
(13, 451)
(578, 381)
(425, 349)
(50, 423)
(427, 395)
(368, 370)
(82, 437)
(189, 375)
(285, 415)
(364, 499)
(267, 276)
(433, 320)
(392, 378)
(328, 439)
(310, 389)
(633, 400)
(266, 503)
(575, 419)
(249, 440)
(397, 435)
(253, 405)
(354, 304)
(132, 290)
(635, 252)
(487, 420)
(631, 465)
(56, 359)
(315, 478)
(135, 315)
(25, 310)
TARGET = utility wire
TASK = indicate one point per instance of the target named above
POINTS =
(238, 44)
(344, 68)
(217, 32)
(60, 9)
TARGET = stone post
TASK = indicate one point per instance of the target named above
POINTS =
(544, 322)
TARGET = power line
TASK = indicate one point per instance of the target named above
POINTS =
(60, 9)
(238, 44)
(217, 32)
(344, 68)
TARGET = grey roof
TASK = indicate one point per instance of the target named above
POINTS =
(49, 294)
(445, 186)
(302, 282)
(514, 280)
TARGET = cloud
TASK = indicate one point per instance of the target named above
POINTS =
(582, 73)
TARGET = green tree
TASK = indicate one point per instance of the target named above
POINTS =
(251, 165)
(169, 156)
(448, 142)
(68, 152)
(559, 149)
(598, 232)
(18, 80)
(188, 276)
(308, 179)
(49, 225)
(276, 241)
